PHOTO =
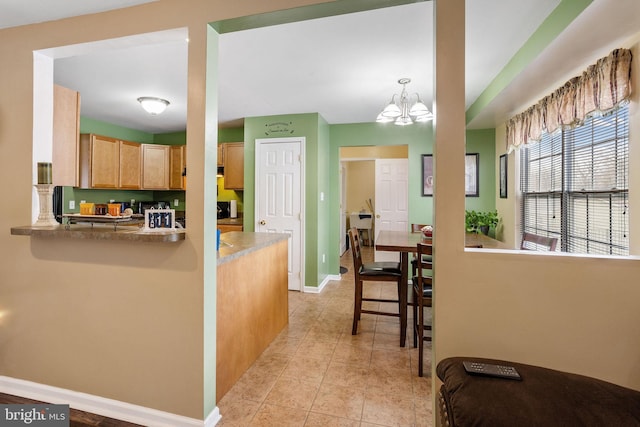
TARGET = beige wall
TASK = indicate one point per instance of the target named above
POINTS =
(117, 320)
(360, 184)
(577, 314)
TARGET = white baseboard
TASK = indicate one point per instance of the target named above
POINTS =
(318, 289)
(102, 406)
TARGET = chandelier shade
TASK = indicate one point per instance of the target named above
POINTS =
(404, 111)
(152, 105)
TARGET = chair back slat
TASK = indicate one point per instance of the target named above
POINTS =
(424, 259)
(354, 240)
(535, 242)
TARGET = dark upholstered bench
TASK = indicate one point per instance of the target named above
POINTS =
(543, 398)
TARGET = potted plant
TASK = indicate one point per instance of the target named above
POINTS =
(480, 221)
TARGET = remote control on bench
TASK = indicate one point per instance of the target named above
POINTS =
(490, 370)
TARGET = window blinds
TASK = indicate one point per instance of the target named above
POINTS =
(575, 186)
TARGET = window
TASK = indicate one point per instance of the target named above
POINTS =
(574, 186)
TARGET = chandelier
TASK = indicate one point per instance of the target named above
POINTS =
(403, 112)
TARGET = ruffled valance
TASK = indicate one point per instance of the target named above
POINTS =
(602, 87)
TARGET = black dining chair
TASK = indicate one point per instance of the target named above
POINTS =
(422, 297)
(372, 272)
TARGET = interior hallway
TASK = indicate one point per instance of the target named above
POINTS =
(316, 373)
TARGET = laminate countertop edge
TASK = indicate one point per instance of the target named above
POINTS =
(100, 232)
(236, 244)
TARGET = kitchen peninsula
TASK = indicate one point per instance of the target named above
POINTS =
(252, 300)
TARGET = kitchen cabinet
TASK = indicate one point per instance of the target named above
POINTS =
(66, 136)
(130, 165)
(234, 166)
(220, 155)
(155, 167)
(99, 161)
(177, 167)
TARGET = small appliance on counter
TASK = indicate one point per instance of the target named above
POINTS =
(233, 209)
(224, 210)
(142, 206)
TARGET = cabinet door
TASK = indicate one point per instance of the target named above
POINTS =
(177, 165)
(105, 162)
(155, 167)
(234, 166)
(221, 154)
(130, 165)
(66, 136)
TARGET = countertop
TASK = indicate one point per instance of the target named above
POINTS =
(101, 232)
(235, 244)
(230, 221)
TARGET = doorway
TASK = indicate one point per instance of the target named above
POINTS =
(358, 188)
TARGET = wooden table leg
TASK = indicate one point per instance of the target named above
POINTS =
(404, 285)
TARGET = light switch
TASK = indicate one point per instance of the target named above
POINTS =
(176, 202)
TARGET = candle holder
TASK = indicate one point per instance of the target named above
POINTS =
(46, 218)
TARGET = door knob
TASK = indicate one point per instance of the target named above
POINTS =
(377, 216)
(263, 222)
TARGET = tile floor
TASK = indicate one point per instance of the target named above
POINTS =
(315, 373)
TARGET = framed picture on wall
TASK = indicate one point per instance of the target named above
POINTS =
(471, 175)
(503, 176)
(427, 175)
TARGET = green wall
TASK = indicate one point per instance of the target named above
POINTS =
(482, 141)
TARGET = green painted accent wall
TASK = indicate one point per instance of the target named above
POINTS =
(482, 141)
(231, 134)
(302, 125)
(172, 138)
(324, 202)
(550, 28)
(88, 125)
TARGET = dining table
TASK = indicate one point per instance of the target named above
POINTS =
(405, 242)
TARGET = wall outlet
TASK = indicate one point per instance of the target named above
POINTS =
(133, 202)
(176, 202)
(72, 204)
(323, 258)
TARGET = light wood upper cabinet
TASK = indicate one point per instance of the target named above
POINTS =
(99, 161)
(66, 136)
(220, 155)
(177, 166)
(130, 175)
(155, 167)
(234, 166)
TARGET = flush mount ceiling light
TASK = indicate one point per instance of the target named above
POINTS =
(153, 106)
(404, 112)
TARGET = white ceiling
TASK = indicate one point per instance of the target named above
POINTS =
(344, 67)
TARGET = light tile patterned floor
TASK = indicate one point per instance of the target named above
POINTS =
(316, 373)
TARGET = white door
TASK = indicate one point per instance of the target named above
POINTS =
(392, 200)
(279, 197)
